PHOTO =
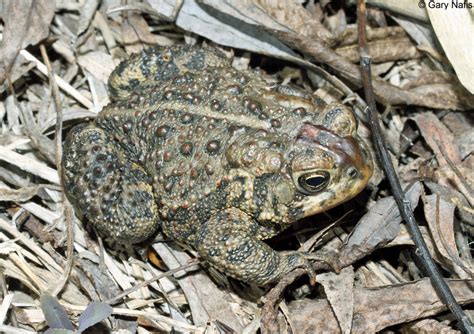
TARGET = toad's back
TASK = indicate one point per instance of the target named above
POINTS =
(184, 125)
(180, 123)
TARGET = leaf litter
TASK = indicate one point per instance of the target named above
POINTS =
(427, 120)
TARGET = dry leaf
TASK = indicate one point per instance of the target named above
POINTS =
(280, 15)
(18, 195)
(378, 308)
(224, 29)
(34, 257)
(339, 289)
(382, 223)
(87, 14)
(99, 64)
(136, 34)
(26, 22)
(421, 34)
(438, 138)
(382, 51)
(20, 67)
(428, 326)
(407, 8)
(440, 217)
(206, 300)
(454, 28)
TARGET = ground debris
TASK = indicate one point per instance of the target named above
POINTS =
(427, 120)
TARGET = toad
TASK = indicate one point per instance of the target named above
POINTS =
(218, 159)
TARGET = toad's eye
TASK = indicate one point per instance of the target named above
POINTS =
(314, 182)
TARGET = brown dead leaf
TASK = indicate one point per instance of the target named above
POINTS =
(87, 14)
(313, 316)
(407, 8)
(404, 238)
(336, 23)
(390, 49)
(288, 13)
(206, 300)
(460, 127)
(350, 37)
(136, 33)
(385, 92)
(428, 326)
(440, 217)
(422, 35)
(379, 308)
(438, 138)
(98, 63)
(382, 223)
(20, 67)
(26, 22)
(454, 28)
(450, 94)
(452, 196)
(230, 30)
(339, 289)
(38, 140)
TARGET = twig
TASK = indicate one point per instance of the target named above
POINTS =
(68, 212)
(403, 204)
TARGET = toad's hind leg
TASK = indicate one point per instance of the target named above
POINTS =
(228, 241)
(112, 192)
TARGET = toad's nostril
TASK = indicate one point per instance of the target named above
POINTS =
(352, 172)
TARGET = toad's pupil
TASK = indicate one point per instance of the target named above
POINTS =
(315, 181)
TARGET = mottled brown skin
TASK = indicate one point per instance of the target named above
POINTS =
(217, 158)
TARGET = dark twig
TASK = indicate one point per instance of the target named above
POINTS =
(439, 284)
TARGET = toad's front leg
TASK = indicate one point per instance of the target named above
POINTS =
(229, 242)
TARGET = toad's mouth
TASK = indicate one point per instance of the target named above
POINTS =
(312, 205)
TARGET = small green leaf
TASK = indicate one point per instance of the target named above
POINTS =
(93, 314)
(54, 313)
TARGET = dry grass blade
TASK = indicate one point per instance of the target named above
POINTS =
(68, 211)
(30, 165)
(66, 87)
